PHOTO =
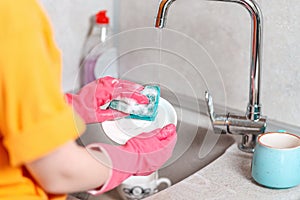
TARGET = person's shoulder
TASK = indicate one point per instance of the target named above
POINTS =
(15, 9)
(20, 15)
(11, 5)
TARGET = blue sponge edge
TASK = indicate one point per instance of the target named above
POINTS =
(146, 112)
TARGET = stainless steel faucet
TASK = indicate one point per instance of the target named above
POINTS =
(252, 123)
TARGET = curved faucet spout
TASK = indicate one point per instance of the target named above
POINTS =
(162, 13)
(253, 119)
(254, 107)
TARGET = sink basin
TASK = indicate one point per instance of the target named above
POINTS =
(196, 147)
(190, 161)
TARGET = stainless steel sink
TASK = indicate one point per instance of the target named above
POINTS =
(190, 162)
(196, 146)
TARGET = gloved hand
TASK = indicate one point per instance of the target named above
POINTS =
(88, 100)
(141, 155)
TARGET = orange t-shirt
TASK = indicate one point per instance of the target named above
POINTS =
(34, 118)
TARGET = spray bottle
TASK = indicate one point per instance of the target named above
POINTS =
(96, 54)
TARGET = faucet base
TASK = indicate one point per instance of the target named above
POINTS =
(248, 143)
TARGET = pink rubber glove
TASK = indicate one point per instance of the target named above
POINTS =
(141, 155)
(88, 100)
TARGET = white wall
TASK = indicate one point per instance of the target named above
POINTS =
(70, 20)
(223, 29)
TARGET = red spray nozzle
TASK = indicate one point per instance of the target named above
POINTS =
(102, 18)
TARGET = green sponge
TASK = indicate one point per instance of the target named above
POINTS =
(140, 111)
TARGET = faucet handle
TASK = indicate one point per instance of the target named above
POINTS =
(218, 121)
(237, 125)
(210, 106)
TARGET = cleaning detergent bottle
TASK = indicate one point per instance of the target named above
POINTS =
(97, 56)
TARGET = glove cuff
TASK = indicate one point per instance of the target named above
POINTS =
(115, 177)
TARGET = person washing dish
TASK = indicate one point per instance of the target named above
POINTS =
(39, 158)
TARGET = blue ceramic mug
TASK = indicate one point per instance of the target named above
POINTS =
(276, 160)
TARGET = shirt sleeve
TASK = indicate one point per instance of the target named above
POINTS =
(34, 118)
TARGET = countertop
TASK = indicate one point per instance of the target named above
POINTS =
(228, 177)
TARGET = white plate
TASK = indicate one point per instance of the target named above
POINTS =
(120, 131)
